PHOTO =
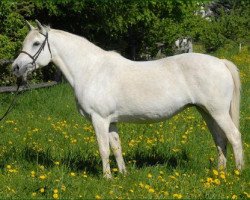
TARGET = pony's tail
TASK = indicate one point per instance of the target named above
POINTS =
(235, 103)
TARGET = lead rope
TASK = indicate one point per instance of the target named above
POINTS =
(13, 102)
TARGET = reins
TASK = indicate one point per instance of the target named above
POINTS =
(13, 102)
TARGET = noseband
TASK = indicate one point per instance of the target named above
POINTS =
(34, 57)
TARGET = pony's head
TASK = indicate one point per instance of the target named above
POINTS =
(35, 52)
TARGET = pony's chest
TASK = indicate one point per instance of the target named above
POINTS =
(91, 101)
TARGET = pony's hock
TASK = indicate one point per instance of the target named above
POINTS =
(110, 88)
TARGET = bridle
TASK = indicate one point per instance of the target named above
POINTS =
(36, 55)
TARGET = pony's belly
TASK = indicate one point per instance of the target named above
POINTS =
(146, 117)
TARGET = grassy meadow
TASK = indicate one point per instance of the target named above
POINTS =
(48, 151)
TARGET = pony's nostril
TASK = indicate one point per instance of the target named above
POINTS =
(16, 68)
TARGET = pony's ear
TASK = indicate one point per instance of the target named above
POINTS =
(40, 27)
(29, 25)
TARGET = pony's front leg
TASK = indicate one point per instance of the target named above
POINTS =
(101, 127)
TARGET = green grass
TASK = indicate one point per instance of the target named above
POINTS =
(47, 150)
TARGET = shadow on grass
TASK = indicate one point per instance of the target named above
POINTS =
(77, 161)
(154, 157)
(73, 161)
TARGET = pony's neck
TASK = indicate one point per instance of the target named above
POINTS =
(74, 55)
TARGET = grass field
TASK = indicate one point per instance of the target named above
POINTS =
(47, 150)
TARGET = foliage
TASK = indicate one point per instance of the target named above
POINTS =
(130, 27)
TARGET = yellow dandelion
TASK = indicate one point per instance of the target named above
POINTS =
(33, 174)
(247, 195)
(150, 175)
(33, 194)
(165, 193)
(72, 174)
(98, 196)
(55, 191)
(234, 196)
(151, 190)
(215, 172)
(177, 196)
(222, 176)
(209, 180)
(111, 192)
(207, 185)
(115, 170)
(172, 177)
(132, 191)
(41, 167)
(63, 188)
(217, 181)
(237, 172)
(8, 166)
(85, 175)
(42, 190)
(56, 196)
(147, 186)
(42, 177)
(141, 185)
(57, 163)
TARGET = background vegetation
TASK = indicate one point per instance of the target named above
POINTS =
(131, 27)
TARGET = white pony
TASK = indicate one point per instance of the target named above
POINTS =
(110, 88)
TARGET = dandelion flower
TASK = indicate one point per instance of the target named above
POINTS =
(57, 163)
(98, 196)
(215, 172)
(150, 175)
(223, 176)
(248, 195)
(234, 196)
(63, 188)
(237, 172)
(55, 191)
(165, 193)
(141, 185)
(209, 180)
(42, 177)
(217, 181)
(151, 190)
(33, 173)
(72, 174)
(147, 186)
(115, 170)
(42, 190)
(55, 195)
(111, 192)
(177, 196)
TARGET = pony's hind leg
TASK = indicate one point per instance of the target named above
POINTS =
(115, 144)
(219, 138)
(233, 135)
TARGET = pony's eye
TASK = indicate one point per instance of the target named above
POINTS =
(36, 44)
